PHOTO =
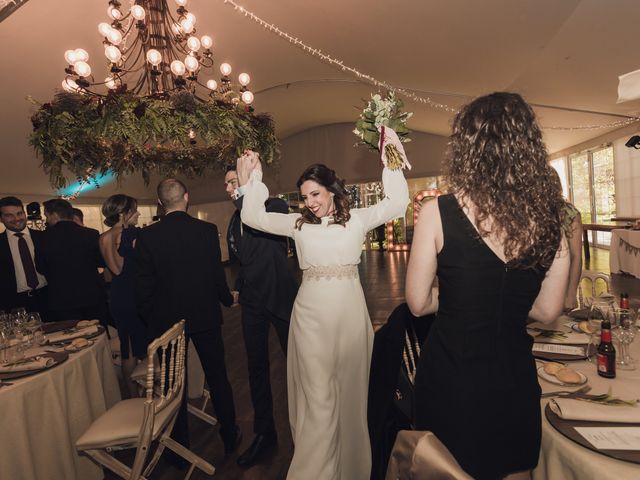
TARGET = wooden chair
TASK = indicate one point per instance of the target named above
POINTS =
(592, 277)
(195, 385)
(137, 422)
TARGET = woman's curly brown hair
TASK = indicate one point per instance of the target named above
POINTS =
(498, 161)
(323, 175)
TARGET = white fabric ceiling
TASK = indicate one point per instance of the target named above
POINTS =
(564, 56)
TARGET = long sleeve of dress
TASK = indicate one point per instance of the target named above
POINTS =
(255, 214)
(393, 205)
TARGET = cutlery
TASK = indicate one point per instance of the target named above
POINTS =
(567, 393)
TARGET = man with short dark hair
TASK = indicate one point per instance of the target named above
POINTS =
(179, 275)
(69, 257)
(267, 292)
(20, 283)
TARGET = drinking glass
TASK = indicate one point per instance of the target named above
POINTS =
(624, 332)
(33, 326)
(601, 309)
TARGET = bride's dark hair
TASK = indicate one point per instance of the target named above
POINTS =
(323, 175)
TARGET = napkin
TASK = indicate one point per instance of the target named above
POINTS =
(37, 363)
(62, 336)
(570, 338)
(570, 409)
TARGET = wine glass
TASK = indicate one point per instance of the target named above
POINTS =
(34, 327)
(624, 332)
(602, 308)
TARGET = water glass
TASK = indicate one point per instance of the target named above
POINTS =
(624, 332)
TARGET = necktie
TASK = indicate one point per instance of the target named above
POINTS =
(27, 262)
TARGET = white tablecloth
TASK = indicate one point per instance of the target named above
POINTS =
(561, 458)
(42, 416)
(620, 259)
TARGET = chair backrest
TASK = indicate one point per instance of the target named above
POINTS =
(593, 278)
(170, 347)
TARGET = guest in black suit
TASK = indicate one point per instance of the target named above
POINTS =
(20, 284)
(267, 292)
(69, 257)
(179, 275)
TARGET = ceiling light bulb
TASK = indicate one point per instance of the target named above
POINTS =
(178, 68)
(70, 57)
(191, 63)
(177, 29)
(104, 28)
(113, 53)
(212, 84)
(81, 55)
(225, 69)
(114, 13)
(154, 57)
(206, 41)
(186, 25)
(115, 36)
(181, 3)
(247, 97)
(193, 43)
(82, 68)
(69, 85)
(137, 12)
(244, 79)
(110, 83)
(191, 17)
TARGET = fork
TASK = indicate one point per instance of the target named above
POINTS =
(567, 393)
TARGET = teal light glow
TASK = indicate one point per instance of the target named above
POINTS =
(78, 188)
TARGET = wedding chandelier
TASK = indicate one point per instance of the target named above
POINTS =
(162, 49)
(159, 108)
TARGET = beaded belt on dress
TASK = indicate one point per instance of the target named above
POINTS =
(331, 271)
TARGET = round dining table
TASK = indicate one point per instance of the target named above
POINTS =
(42, 416)
(564, 459)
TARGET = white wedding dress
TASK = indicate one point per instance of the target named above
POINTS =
(330, 337)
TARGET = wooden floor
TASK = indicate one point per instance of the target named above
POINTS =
(383, 277)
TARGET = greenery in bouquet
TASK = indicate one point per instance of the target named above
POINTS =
(121, 133)
(383, 111)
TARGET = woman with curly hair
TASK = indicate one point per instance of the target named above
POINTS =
(330, 337)
(496, 245)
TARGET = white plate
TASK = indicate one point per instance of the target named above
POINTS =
(553, 379)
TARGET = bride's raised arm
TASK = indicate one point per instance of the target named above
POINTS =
(254, 212)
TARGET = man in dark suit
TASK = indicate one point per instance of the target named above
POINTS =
(69, 257)
(267, 292)
(20, 284)
(179, 275)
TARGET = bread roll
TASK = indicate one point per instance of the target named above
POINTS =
(552, 367)
(80, 343)
(585, 327)
(568, 375)
(86, 323)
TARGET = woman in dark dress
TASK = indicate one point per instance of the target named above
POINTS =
(496, 246)
(117, 247)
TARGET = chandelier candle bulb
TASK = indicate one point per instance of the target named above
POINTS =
(112, 53)
(247, 97)
(104, 28)
(193, 43)
(114, 36)
(191, 18)
(191, 63)
(181, 3)
(244, 79)
(225, 69)
(81, 55)
(82, 69)
(114, 13)
(212, 84)
(138, 12)
(154, 57)
(186, 25)
(70, 57)
(206, 41)
(110, 83)
(178, 68)
(69, 85)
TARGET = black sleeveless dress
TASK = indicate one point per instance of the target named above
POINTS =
(476, 385)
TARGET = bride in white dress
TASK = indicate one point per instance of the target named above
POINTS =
(330, 336)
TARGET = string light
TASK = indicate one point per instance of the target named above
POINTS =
(382, 84)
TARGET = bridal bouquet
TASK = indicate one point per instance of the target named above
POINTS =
(380, 113)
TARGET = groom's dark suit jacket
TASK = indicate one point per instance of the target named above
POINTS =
(8, 287)
(179, 274)
(265, 280)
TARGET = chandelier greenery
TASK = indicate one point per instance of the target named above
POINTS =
(156, 112)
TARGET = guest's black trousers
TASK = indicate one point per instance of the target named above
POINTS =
(255, 328)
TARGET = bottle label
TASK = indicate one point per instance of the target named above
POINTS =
(605, 336)
(603, 363)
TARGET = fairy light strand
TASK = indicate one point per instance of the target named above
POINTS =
(335, 62)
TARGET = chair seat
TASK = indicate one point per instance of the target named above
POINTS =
(120, 425)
